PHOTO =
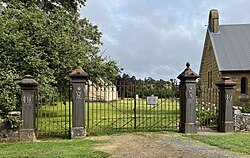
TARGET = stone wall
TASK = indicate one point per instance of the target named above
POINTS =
(241, 121)
(7, 135)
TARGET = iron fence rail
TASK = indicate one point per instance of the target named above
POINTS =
(53, 114)
(122, 107)
(126, 108)
(207, 108)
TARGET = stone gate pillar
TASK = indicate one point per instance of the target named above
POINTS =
(28, 86)
(78, 80)
(225, 122)
(188, 100)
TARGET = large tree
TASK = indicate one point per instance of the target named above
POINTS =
(45, 39)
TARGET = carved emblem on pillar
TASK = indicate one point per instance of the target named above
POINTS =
(228, 97)
(27, 99)
(190, 93)
(78, 93)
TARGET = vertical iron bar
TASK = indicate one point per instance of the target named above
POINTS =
(168, 106)
(106, 104)
(69, 110)
(93, 108)
(88, 108)
(135, 105)
(146, 126)
(155, 108)
(104, 107)
(45, 101)
(150, 109)
(53, 112)
(48, 106)
(212, 109)
(139, 102)
(206, 106)
(162, 99)
(123, 106)
(132, 103)
(200, 106)
(41, 122)
(176, 106)
(65, 111)
(57, 115)
(216, 106)
(61, 111)
(172, 106)
(92, 98)
(116, 100)
(120, 114)
(126, 96)
(112, 103)
(37, 111)
(98, 121)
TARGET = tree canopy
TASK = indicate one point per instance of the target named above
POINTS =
(45, 38)
(48, 5)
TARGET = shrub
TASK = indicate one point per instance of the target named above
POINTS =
(11, 123)
(206, 115)
(9, 99)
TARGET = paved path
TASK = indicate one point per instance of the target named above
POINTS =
(158, 145)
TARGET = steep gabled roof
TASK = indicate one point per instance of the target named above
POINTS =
(232, 47)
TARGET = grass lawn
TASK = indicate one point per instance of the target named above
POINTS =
(238, 142)
(50, 149)
(110, 116)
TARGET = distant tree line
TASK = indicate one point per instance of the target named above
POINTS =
(129, 86)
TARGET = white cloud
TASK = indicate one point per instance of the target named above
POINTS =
(155, 38)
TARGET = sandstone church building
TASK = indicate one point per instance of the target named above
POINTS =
(226, 52)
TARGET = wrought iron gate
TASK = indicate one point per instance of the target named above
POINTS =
(207, 108)
(123, 106)
(53, 114)
(132, 106)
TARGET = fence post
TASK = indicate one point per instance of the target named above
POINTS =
(28, 86)
(78, 80)
(225, 122)
(188, 100)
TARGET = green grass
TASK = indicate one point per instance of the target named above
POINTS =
(111, 116)
(53, 120)
(238, 142)
(51, 149)
(121, 115)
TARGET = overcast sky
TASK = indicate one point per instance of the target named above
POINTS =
(155, 38)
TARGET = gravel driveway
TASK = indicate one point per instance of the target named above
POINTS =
(158, 145)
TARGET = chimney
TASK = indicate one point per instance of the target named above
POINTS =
(213, 21)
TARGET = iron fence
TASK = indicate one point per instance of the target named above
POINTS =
(53, 114)
(207, 108)
(123, 106)
(127, 106)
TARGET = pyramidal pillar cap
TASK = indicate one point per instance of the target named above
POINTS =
(188, 73)
(78, 72)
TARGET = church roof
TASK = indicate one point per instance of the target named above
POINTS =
(232, 47)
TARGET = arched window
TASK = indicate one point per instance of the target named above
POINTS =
(243, 85)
